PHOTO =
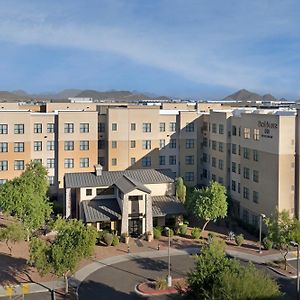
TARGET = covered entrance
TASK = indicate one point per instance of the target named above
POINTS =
(135, 227)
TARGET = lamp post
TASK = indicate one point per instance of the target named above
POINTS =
(294, 244)
(261, 217)
(169, 278)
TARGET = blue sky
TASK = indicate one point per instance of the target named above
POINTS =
(183, 48)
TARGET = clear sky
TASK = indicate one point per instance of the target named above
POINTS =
(184, 48)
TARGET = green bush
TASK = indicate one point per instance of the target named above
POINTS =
(101, 234)
(196, 233)
(115, 241)
(211, 237)
(239, 239)
(268, 244)
(166, 232)
(161, 283)
(156, 233)
(108, 238)
(183, 229)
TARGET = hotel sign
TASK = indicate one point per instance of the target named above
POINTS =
(267, 126)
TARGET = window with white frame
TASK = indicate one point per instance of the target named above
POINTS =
(19, 129)
(50, 146)
(162, 127)
(69, 127)
(114, 126)
(162, 143)
(189, 159)
(190, 127)
(37, 128)
(256, 134)
(132, 144)
(84, 162)
(84, 127)
(146, 161)
(3, 165)
(146, 127)
(172, 160)
(146, 144)
(114, 161)
(18, 146)
(51, 180)
(247, 133)
(69, 163)
(189, 143)
(69, 145)
(172, 143)
(84, 145)
(50, 127)
(50, 163)
(172, 126)
(37, 146)
(3, 147)
(189, 176)
(114, 144)
(19, 164)
(162, 160)
(3, 129)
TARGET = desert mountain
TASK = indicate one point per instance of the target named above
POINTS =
(245, 95)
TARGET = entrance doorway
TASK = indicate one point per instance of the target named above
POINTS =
(135, 227)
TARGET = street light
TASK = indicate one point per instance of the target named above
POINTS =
(261, 217)
(169, 278)
(294, 244)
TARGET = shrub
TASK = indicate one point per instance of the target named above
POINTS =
(115, 241)
(156, 233)
(101, 234)
(211, 237)
(268, 244)
(183, 229)
(239, 239)
(161, 283)
(108, 238)
(166, 232)
(196, 233)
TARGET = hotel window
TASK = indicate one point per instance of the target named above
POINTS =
(221, 180)
(114, 144)
(50, 127)
(84, 127)
(69, 163)
(234, 130)
(3, 147)
(256, 134)
(255, 197)
(132, 144)
(189, 176)
(84, 162)
(233, 167)
(239, 168)
(101, 161)
(19, 129)
(221, 149)
(233, 148)
(172, 160)
(239, 188)
(113, 161)
(69, 127)
(172, 144)
(246, 173)
(221, 164)
(162, 127)
(247, 133)
(190, 127)
(205, 142)
(213, 162)
(245, 216)
(240, 131)
(146, 161)
(84, 145)
(101, 127)
(50, 146)
(213, 177)
(204, 127)
(114, 126)
(233, 185)
(190, 143)
(146, 127)
(221, 129)
(214, 145)
(204, 157)
(162, 144)
(204, 173)
(3, 181)
(239, 149)
(38, 160)
(255, 155)
(255, 176)
(132, 161)
(189, 160)
(246, 153)
(19, 164)
(246, 193)
(3, 165)
(132, 126)
(37, 128)
(214, 128)
(162, 160)
(51, 180)
(37, 146)
(69, 145)
(146, 144)
(101, 144)
(50, 163)
(88, 192)
(3, 129)
(18, 147)
(172, 126)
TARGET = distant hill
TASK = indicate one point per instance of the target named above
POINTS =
(244, 95)
(6, 96)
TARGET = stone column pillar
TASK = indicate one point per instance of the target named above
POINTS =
(67, 203)
(149, 216)
(124, 222)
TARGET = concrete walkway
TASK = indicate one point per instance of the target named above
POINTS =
(83, 273)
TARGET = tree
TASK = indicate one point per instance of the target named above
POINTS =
(180, 189)
(73, 242)
(25, 197)
(209, 203)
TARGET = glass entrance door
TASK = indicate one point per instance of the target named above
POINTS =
(135, 227)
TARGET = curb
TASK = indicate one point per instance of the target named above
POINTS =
(282, 274)
(156, 293)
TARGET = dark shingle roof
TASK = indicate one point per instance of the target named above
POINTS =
(108, 178)
(127, 184)
(166, 205)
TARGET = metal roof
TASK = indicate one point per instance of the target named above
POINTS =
(166, 205)
(108, 178)
(127, 184)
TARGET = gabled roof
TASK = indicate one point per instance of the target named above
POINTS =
(166, 205)
(108, 178)
(127, 184)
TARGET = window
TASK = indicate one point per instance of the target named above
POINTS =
(256, 134)
(114, 126)
(204, 157)
(37, 146)
(69, 127)
(246, 193)
(114, 161)
(146, 161)
(221, 148)
(234, 130)
(205, 142)
(84, 162)
(162, 144)
(88, 192)
(247, 133)
(50, 163)
(245, 215)
(37, 128)
(172, 160)
(3, 147)
(132, 161)
(172, 126)
(69, 145)
(233, 148)
(3, 181)
(190, 127)
(132, 144)
(105, 191)
(233, 167)
(255, 176)
(255, 197)
(221, 129)
(3, 129)
(240, 131)
(204, 173)
(221, 164)
(101, 144)
(19, 165)
(246, 153)
(162, 127)
(3, 165)
(18, 147)
(114, 144)
(38, 160)
(255, 155)
(239, 168)
(189, 176)
(213, 162)
(213, 177)
(101, 127)
(214, 145)
(221, 180)
(132, 126)
(19, 129)
(146, 144)
(172, 144)
(246, 173)
(51, 180)
(50, 146)
(239, 149)
(146, 127)
(69, 163)
(204, 127)
(233, 185)
(190, 143)
(101, 161)
(84, 127)
(162, 160)
(214, 128)
(189, 160)
(84, 145)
